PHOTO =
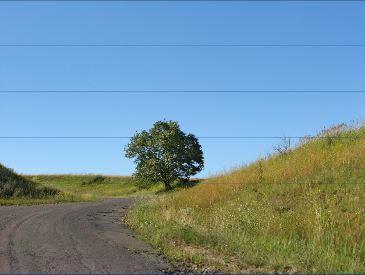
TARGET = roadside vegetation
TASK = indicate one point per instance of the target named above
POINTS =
(300, 209)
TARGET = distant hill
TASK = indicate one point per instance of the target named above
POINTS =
(13, 185)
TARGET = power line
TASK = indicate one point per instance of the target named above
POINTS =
(181, 45)
(180, 91)
(200, 137)
(181, 0)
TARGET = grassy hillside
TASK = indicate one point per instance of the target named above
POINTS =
(337, 156)
(13, 185)
(299, 211)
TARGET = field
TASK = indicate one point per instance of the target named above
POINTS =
(89, 187)
(76, 188)
(300, 210)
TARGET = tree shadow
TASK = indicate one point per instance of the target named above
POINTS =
(187, 183)
(180, 184)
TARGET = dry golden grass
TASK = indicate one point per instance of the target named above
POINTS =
(338, 158)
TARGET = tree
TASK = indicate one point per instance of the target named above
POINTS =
(165, 154)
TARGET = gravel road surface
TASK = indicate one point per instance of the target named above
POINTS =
(73, 238)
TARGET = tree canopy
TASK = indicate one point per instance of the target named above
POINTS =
(165, 154)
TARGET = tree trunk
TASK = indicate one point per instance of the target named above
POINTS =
(167, 186)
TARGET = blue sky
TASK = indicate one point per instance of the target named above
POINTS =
(190, 68)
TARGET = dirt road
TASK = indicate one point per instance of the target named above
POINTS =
(72, 238)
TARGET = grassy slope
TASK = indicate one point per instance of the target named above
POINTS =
(300, 211)
(16, 187)
(76, 188)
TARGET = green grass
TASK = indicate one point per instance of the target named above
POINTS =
(301, 211)
(89, 187)
(76, 188)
